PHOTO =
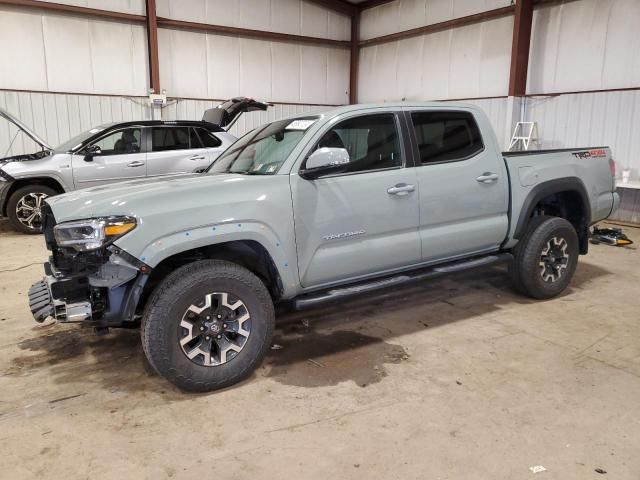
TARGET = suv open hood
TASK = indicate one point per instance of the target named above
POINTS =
(30, 133)
(226, 114)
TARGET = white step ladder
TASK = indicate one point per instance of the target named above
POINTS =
(523, 134)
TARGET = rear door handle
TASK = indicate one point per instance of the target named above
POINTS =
(401, 189)
(196, 157)
(487, 177)
(136, 164)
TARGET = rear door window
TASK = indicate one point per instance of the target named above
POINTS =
(446, 136)
(170, 138)
(208, 139)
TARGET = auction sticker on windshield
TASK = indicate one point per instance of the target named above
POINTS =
(300, 124)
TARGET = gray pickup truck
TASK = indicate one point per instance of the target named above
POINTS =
(308, 210)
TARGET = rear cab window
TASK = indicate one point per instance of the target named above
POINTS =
(446, 136)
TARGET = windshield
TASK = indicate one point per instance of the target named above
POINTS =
(78, 140)
(263, 150)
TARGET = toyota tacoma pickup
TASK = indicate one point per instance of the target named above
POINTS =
(308, 210)
(111, 153)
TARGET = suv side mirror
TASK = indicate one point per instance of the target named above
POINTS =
(324, 161)
(90, 152)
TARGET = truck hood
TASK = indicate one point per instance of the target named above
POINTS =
(30, 133)
(140, 198)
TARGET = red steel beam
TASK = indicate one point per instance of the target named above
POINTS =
(520, 47)
(247, 32)
(339, 6)
(438, 27)
(73, 9)
(355, 58)
(372, 3)
(152, 43)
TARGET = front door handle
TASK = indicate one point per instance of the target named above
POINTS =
(401, 189)
(196, 157)
(487, 177)
(136, 164)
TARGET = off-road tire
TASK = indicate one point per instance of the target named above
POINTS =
(13, 202)
(167, 304)
(525, 270)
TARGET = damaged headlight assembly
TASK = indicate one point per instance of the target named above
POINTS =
(93, 233)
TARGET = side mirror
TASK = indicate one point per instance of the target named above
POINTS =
(325, 161)
(90, 152)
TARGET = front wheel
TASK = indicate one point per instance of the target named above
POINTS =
(546, 258)
(24, 207)
(208, 325)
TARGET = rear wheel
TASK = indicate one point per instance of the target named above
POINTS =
(24, 207)
(546, 258)
(208, 325)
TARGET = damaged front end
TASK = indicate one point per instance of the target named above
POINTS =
(88, 279)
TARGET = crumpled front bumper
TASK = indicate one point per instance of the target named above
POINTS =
(102, 286)
(40, 301)
(43, 304)
(103, 300)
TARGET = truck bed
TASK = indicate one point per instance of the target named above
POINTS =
(588, 170)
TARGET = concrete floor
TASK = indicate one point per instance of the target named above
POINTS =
(457, 378)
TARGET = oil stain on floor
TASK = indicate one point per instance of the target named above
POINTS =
(315, 359)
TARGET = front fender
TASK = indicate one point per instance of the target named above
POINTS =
(280, 250)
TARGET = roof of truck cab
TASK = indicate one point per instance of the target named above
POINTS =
(332, 112)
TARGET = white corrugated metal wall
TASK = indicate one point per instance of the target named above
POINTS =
(587, 45)
(87, 58)
(464, 62)
(407, 14)
(575, 46)
(199, 65)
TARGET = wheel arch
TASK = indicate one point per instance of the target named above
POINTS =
(563, 197)
(249, 254)
(24, 182)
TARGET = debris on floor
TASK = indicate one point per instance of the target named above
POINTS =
(537, 469)
(600, 471)
(610, 236)
(275, 346)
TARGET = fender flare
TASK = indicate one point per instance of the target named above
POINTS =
(542, 190)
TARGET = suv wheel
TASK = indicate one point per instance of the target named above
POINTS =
(546, 258)
(23, 207)
(208, 325)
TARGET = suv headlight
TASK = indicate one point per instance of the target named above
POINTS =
(93, 233)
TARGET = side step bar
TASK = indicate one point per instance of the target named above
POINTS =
(316, 299)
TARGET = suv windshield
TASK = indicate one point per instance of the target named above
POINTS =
(263, 150)
(78, 140)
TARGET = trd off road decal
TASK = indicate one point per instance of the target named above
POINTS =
(591, 153)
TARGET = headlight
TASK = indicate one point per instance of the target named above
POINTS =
(85, 235)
